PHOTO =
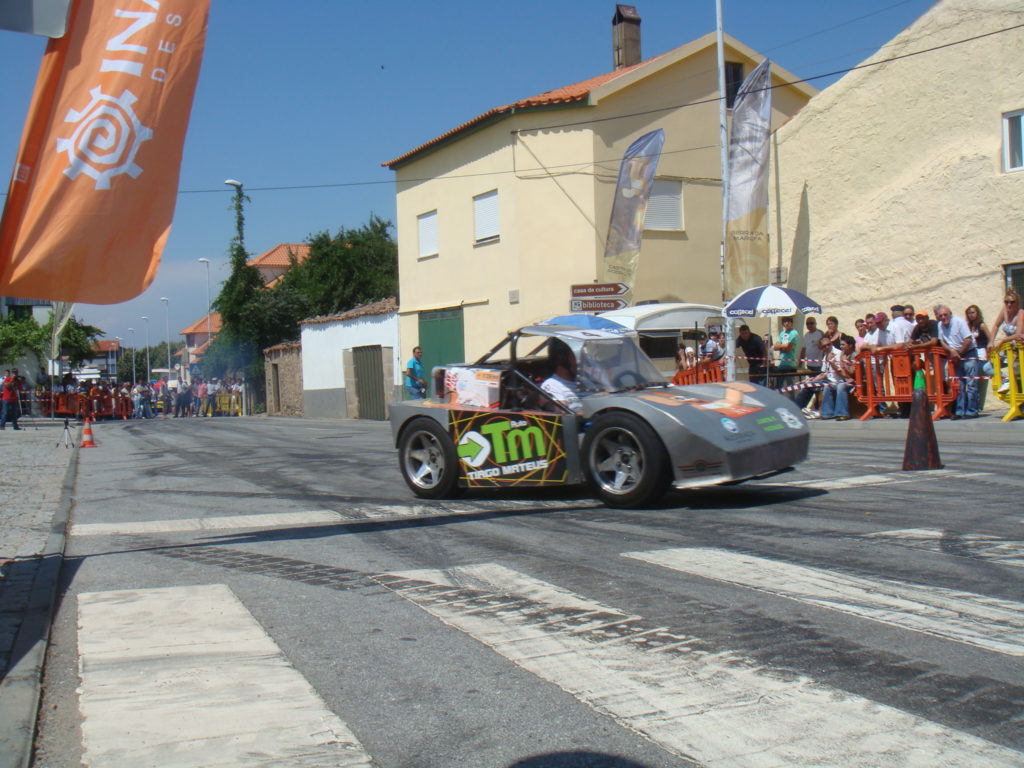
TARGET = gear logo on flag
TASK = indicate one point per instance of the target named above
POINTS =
(106, 139)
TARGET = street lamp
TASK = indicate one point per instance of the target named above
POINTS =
(149, 370)
(209, 324)
(117, 355)
(167, 332)
(239, 217)
(132, 332)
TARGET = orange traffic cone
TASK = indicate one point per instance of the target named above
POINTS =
(87, 441)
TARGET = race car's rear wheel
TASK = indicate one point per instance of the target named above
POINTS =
(427, 459)
(625, 460)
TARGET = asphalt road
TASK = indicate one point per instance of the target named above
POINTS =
(268, 592)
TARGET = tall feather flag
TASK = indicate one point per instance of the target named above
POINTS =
(625, 229)
(746, 243)
(92, 195)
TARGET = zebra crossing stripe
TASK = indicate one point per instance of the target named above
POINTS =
(212, 523)
(351, 513)
(888, 478)
(185, 677)
(985, 622)
(720, 709)
(1004, 551)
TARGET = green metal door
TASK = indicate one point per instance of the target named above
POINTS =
(441, 336)
(369, 365)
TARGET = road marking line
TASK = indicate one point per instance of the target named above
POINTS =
(354, 513)
(212, 523)
(1005, 551)
(840, 483)
(721, 709)
(185, 676)
(985, 622)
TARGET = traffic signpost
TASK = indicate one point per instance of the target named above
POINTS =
(592, 290)
(596, 305)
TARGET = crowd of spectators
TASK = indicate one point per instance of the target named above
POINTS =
(197, 398)
(826, 360)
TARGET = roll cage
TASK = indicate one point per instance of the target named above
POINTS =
(607, 362)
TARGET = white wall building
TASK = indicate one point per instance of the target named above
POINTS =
(352, 363)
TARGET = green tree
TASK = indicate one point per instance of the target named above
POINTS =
(124, 365)
(157, 358)
(353, 267)
(21, 337)
(76, 340)
(342, 271)
(18, 337)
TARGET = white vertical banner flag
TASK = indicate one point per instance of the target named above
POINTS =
(746, 242)
(626, 227)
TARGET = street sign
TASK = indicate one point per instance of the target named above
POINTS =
(596, 305)
(588, 290)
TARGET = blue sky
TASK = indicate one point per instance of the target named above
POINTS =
(320, 92)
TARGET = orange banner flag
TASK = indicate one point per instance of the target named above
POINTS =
(92, 196)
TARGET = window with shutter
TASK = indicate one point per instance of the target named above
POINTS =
(485, 217)
(427, 234)
(665, 206)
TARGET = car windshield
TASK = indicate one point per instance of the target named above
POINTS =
(610, 364)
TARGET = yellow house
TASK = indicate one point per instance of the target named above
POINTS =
(499, 216)
(904, 182)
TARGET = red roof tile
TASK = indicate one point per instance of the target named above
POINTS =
(278, 256)
(106, 345)
(565, 95)
(199, 326)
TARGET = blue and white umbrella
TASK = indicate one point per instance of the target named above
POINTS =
(770, 300)
(594, 322)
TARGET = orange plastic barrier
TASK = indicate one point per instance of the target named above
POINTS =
(1006, 362)
(66, 404)
(703, 372)
(123, 408)
(78, 406)
(887, 376)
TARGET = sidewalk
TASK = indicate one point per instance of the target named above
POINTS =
(35, 499)
(989, 429)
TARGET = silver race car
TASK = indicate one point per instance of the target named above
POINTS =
(500, 422)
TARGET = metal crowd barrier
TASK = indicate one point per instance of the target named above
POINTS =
(1006, 362)
(888, 377)
(224, 404)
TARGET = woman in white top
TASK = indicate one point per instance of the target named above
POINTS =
(1009, 322)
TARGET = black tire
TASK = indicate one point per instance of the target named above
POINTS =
(427, 460)
(625, 460)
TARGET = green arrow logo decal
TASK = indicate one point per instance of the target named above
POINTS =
(474, 449)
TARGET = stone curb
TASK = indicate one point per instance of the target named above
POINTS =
(21, 688)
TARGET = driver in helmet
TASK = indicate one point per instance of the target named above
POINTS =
(561, 385)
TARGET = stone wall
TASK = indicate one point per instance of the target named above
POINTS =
(284, 379)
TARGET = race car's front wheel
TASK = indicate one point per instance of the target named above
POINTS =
(427, 459)
(625, 460)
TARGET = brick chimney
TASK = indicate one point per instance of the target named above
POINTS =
(625, 36)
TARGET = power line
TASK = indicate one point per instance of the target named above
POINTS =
(336, 185)
(642, 114)
(716, 99)
(841, 24)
